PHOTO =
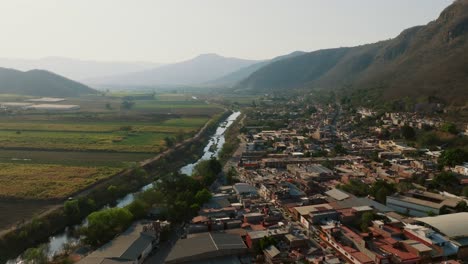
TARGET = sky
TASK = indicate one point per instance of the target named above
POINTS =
(175, 30)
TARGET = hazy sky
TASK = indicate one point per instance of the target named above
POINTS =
(173, 30)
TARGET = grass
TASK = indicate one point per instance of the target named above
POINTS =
(48, 181)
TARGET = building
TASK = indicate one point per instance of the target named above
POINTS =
(453, 227)
(419, 203)
(207, 247)
(313, 172)
(131, 247)
(243, 190)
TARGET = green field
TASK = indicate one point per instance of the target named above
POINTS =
(45, 154)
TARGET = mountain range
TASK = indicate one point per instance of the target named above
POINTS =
(423, 62)
(193, 72)
(79, 70)
(40, 83)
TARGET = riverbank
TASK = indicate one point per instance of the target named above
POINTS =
(39, 230)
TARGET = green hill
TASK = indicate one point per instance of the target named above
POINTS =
(423, 62)
(40, 83)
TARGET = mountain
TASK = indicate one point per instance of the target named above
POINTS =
(201, 69)
(423, 62)
(235, 77)
(40, 83)
(77, 69)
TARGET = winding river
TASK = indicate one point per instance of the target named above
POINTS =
(57, 242)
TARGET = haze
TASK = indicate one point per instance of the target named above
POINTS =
(170, 31)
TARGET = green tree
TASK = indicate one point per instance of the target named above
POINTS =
(170, 141)
(113, 191)
(407, 132)
(208, 170)
(72, 210)
(203, 196)
(449, 128)
(452, 157)
(105, 224)
(127, 104)
(339, 149)
(138, 209)
(465, 191)
(366, 221)
(461, 206)
(36, 255)
(265, 242)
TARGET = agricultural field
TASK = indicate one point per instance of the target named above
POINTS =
(41, 181)
(49, 155)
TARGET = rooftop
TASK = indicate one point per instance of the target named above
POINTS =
(451, 225)
(204, 243)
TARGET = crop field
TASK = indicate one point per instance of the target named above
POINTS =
(51, 154)
(47, 181)
(72, 158)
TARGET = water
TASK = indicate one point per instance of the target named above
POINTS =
(214, 145)
(56, 243)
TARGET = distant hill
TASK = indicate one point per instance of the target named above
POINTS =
(201, 69)
(234, 78)
(40, 83)
(79, 70)
(423, 62)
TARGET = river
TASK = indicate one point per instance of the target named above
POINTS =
(213, 147)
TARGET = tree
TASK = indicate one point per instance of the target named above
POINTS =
(138, 208)
(387, 163)
(180, 135)
(105, 224)
(465, 191)
(339, 149)
(407, 132)
(108, 106)
(208, 170)
(203, 196)
(461, 206)
(72, 210)
(404, 186)
(36, 255)
(127, 104)
(366, 221)
(449, 128)
(232, 172)
(381, 189)
(265, 242)
(113, 191)
(170, 141)
(452, 157)
(446, 181)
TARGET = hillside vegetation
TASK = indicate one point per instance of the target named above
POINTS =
(40, 83)
(424, 62)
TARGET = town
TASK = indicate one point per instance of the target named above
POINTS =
(328, 185)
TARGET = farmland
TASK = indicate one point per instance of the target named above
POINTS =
(49, 155)
(47, 181)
